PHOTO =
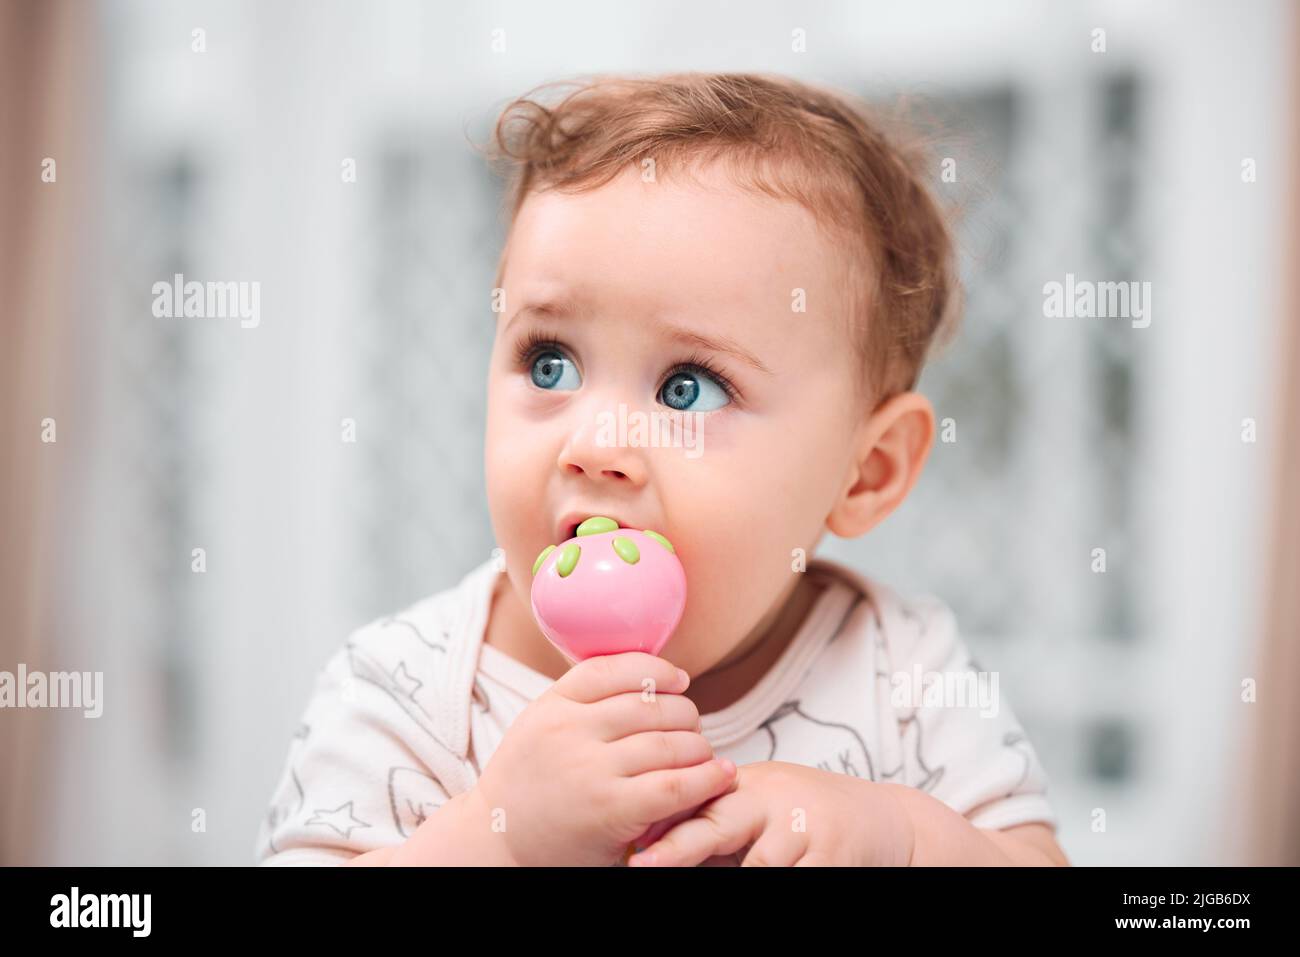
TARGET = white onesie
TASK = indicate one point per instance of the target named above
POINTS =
(410, 709)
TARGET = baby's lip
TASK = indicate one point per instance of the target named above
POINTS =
(569, 522)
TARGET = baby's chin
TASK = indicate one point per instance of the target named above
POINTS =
(696, 645)
(693, 657)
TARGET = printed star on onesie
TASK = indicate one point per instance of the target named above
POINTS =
(435, 645)
(341, 815)
(405, 682)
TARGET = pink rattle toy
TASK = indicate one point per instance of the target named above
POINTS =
(608, 590)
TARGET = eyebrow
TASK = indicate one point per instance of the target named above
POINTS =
(558, 310)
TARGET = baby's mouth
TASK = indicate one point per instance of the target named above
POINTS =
(568, 526)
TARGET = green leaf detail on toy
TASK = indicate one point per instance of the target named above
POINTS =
(597, 524)
(542, 557)
(661, 540)
(627, 550)
(568, 559)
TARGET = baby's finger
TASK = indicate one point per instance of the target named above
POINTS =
(605, 675)
(631, 712)
(812, 859)
(722, 831)
(661, 794)
(655, 750)
(660, 828)
(777, 847)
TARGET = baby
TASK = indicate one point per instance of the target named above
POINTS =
(755, 259)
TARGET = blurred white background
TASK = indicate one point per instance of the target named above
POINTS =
(1071, 434)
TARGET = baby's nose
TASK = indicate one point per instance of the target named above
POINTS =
(602, 446)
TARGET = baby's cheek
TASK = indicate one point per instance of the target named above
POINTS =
(518, 530)
(726, 595)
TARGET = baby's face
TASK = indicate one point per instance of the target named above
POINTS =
(642, 279)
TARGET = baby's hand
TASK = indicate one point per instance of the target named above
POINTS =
(606, 752)
(786, 815)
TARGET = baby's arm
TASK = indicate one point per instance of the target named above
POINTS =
(979, 794)
(458, 834)
(359, 775)
(941, 836)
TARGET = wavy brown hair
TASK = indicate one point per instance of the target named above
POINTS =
(863, 176)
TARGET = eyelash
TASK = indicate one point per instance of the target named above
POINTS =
(536, 342)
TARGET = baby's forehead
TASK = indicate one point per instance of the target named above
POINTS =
(676, 242)
(695, 197)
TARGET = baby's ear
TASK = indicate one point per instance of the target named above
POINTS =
(890, 448)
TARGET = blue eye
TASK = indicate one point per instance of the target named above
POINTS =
(553, 371)
(693, 392)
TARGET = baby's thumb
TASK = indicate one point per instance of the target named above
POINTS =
(660, 828)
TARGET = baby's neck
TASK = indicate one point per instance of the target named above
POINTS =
(746, 664)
